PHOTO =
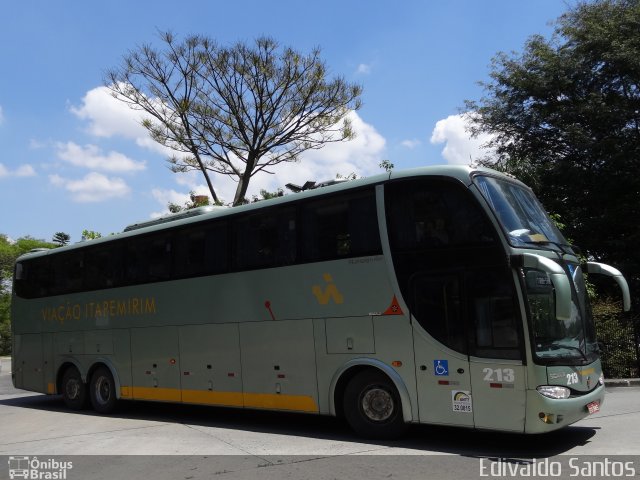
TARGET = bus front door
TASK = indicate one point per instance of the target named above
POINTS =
(468, 349)
(442, 364)
(444, 386)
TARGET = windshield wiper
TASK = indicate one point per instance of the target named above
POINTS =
(558, 346)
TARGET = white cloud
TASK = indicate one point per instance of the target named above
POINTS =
(459, 147)
(90, 156)
(94, 187)
(1, 116)
(109, 117)
(37, 144)
(411, 144)
(22, 171)
(25, 171)
(364, 69)
(165, 196)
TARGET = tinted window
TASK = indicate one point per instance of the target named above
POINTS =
(33, 278)
(103, 267)
(345, 226)
(444, 304)
(424, 214)
(266, 239)
(200, 250)
(148, 259)
(67, 273)
(437, 304)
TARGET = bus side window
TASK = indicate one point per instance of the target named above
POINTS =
(33, 278)
(103, 267)
(67, 271)
(148, 259)
(200, 251)
(341, 227)
(267, 239)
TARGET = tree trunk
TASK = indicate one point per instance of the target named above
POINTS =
(241, 190)
(243, 180)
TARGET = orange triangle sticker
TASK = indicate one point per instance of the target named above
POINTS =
(394, 308)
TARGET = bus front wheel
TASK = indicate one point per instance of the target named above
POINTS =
(372, 406)
(74, 390)
(102, 390)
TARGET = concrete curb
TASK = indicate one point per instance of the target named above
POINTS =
(622, 382)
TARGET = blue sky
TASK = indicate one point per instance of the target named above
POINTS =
(71, 157)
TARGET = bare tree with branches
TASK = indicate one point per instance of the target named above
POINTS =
(236, 110)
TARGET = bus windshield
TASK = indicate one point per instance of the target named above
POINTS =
(520, 214)
(527, 224)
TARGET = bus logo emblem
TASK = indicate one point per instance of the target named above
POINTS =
(330, 291)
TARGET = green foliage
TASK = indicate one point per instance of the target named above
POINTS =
(234, 110)
(564, 116)
(61, 238)
(266, 195)
(616, 333)
(90, 234)
(387, 165)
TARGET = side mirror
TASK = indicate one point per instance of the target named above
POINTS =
(558, 277)
(616, 275)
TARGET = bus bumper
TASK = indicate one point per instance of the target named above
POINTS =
(547, 414)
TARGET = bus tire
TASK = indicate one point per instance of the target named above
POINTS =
(102, 391)
(74, 390)
(372, 406)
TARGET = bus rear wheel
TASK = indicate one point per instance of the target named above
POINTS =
(102, 391)
(372, 406)
(74, 390)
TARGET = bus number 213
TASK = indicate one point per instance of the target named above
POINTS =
(499, 375)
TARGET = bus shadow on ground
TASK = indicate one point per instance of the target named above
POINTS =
(419, 438)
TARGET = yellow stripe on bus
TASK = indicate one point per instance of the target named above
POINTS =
(160, 394)
(299, 403)
(273, 401)
(230, 399)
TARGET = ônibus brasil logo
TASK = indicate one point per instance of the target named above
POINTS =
(35, 469)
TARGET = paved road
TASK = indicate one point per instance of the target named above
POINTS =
(193, 442)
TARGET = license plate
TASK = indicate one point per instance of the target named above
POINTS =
(593, 407)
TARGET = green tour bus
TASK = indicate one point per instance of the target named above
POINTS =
(439, 295)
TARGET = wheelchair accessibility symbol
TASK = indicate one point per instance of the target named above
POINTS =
(441, 368)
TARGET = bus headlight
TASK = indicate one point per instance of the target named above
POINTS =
(601, 379)
(554, 391)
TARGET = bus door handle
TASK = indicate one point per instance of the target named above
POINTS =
(460, 371)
